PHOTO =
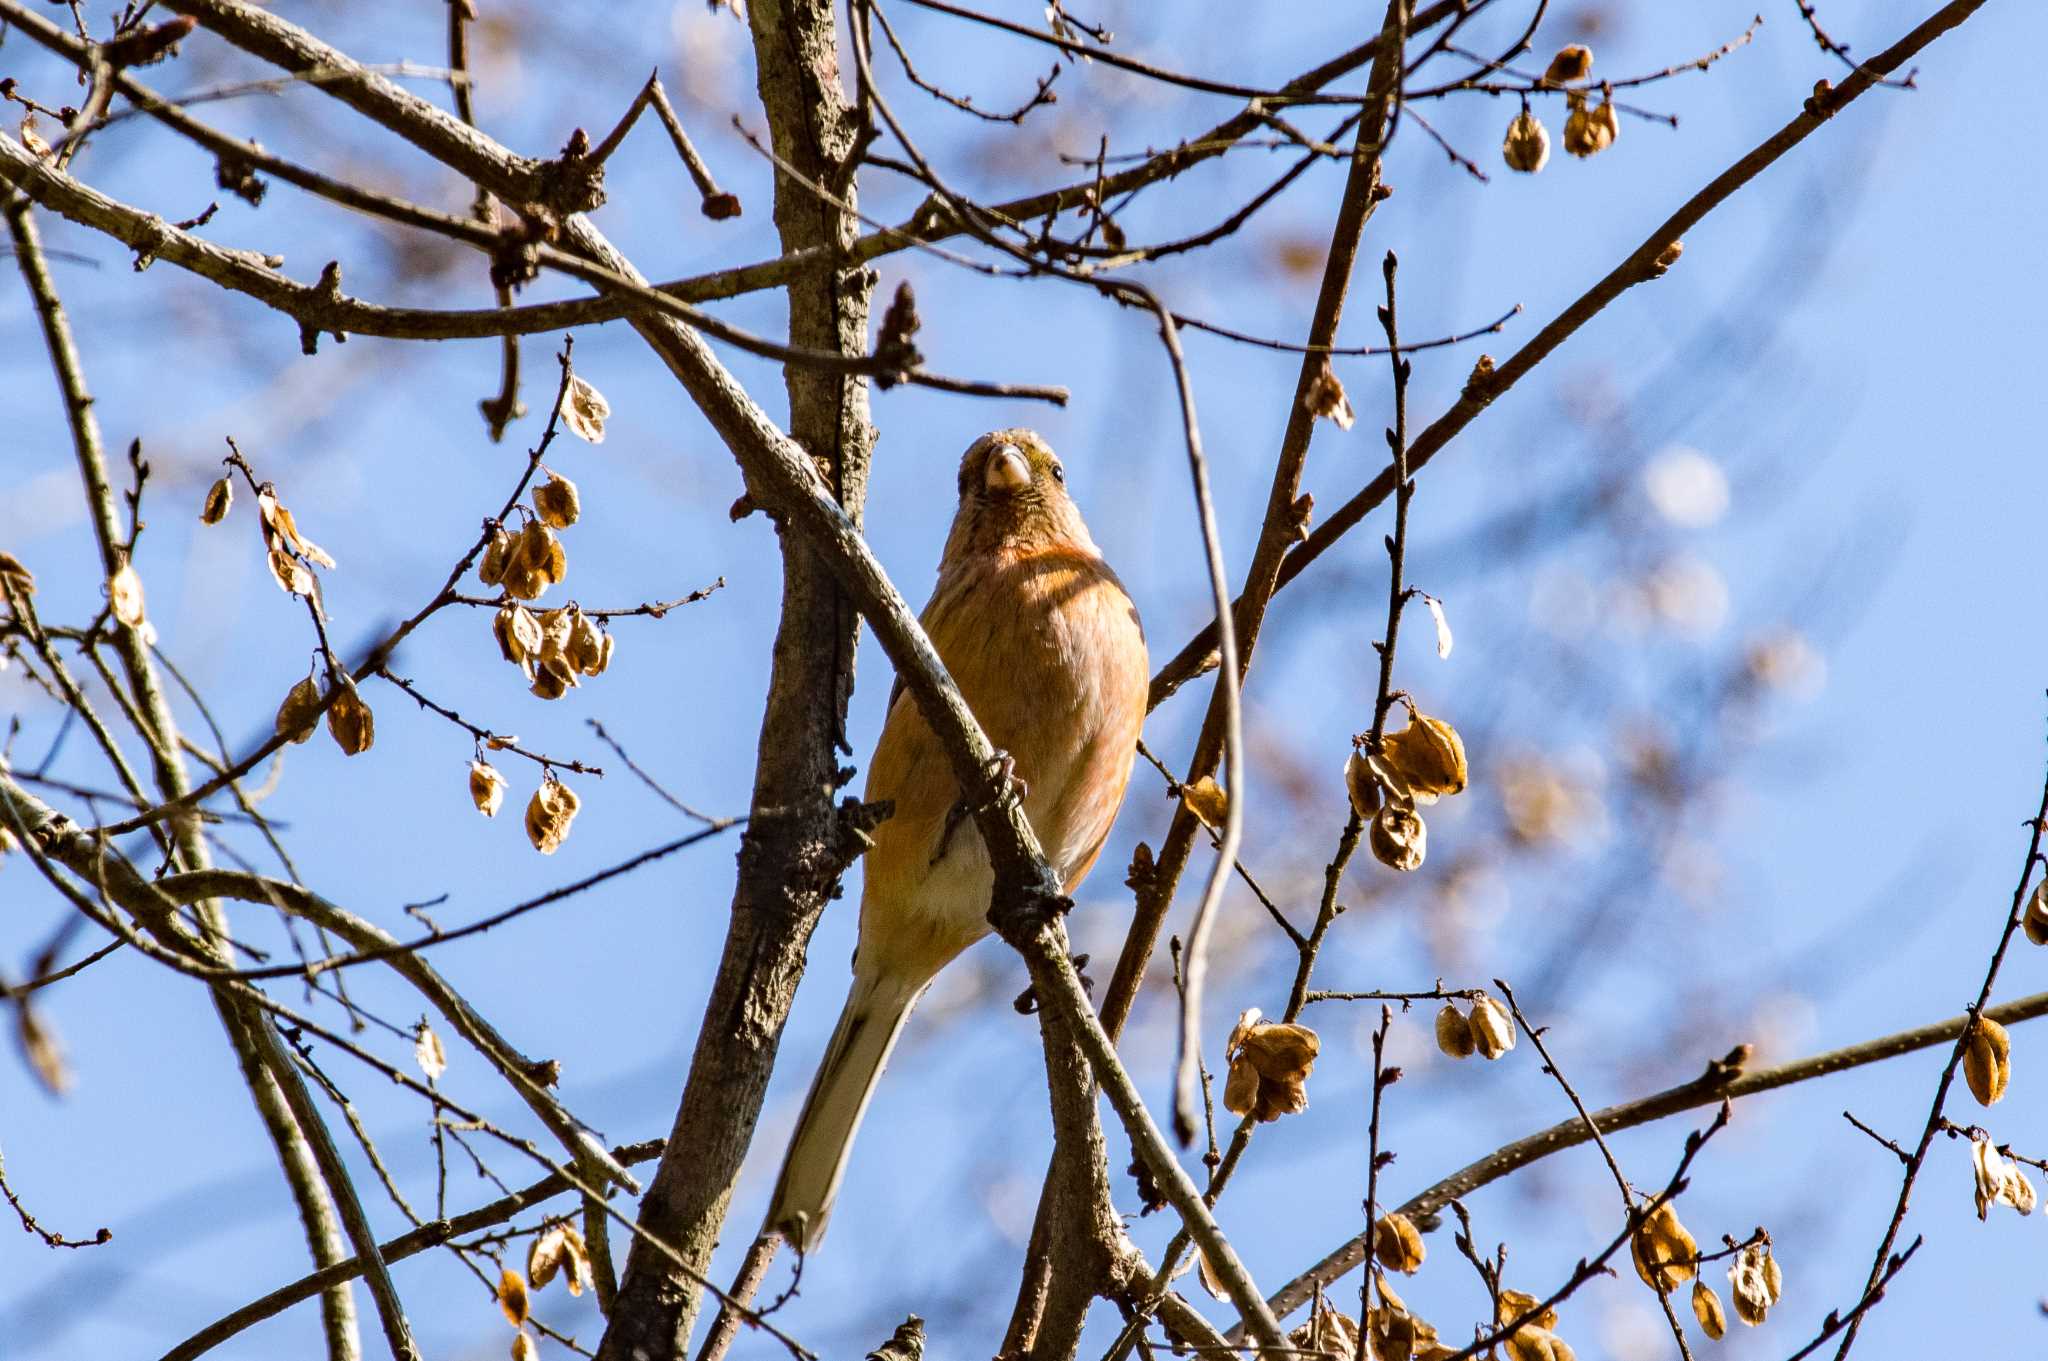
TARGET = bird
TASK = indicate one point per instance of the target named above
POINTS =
(1048, 651)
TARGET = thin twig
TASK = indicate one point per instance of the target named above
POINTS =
(432, 1234)
(484, 736)
(1586, 1270)
(1890, 1144)
(1187, 1078)
(1639, 266)
(1621, 1181)
(1382, 1078)
(2008, 928)
(29, 1223)
(1512, 1157)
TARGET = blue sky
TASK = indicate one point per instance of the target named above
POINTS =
(1851, 341)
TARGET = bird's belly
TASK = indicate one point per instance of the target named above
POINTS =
(1053, 665)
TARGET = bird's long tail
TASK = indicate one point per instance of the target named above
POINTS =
(875, 1011)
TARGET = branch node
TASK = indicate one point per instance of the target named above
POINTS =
(153, 235)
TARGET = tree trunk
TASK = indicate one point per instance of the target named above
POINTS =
(796, 844)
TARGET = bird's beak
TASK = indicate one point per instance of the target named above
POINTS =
(1006, 469)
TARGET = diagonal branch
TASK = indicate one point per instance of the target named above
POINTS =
(322, 307)
(1361, 195)
(247, 1031)
(1639, 266)
(431, 1234)
(1686, 1096)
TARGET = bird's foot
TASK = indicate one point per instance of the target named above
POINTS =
(1027, 1000)
(1002, 781)
(1021, 912)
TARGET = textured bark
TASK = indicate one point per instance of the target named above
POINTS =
(1085, 1251)
(795, 847)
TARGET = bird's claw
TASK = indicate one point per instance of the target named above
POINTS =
(1001, 782)
(1027, 1000)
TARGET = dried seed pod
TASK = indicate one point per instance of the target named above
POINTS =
(1999, 1180)
(1360, 787)
(557, 502)
(1208, 801)
(1330, 1334)
(555, 628)
(604, 654)
(585, 648)
(1990, 1170)
(545, 1258)
(124, 592)
(285, 546)
(523, 582)
(428, 1053)
(1570, 64)
(33, 140)
(1442, 621)
(1706, 1307)
(1493, 1030)
(1531, 1343)
(1590, 131)
(2023, 1195)
(552, 678)
(486, 788)
(1325, 397)
(1664, 1251)
(40, 1047)
(584, 410)
(350, 721)
(1987, 1063)
(280, 530)
(538, 554)
(1454, 1033)
(1515, 1303)
(512, 1297)
(1751, 1285)
(219, 497)
(490, 569)
(519, 637)
(1428, 756)
(300, 712)
(1398, 837)
(14, 574)
(1527, 145)
(292, 576)
(549, 814)
(578, 1280)
(1269, 1067)
(1398, 1335)
(1397, 1244)
(1608, 119)
(2036, 922)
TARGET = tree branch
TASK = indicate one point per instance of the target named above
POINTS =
(1627, 1115)
(1640, 265)
(245, 1028)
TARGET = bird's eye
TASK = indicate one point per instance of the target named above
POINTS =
(1059, 474)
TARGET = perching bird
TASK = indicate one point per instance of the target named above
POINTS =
(1048, 652)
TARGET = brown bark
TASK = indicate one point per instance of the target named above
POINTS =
(795, 847)
(1085, 1251)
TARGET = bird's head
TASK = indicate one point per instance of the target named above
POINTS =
(1013, 493)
